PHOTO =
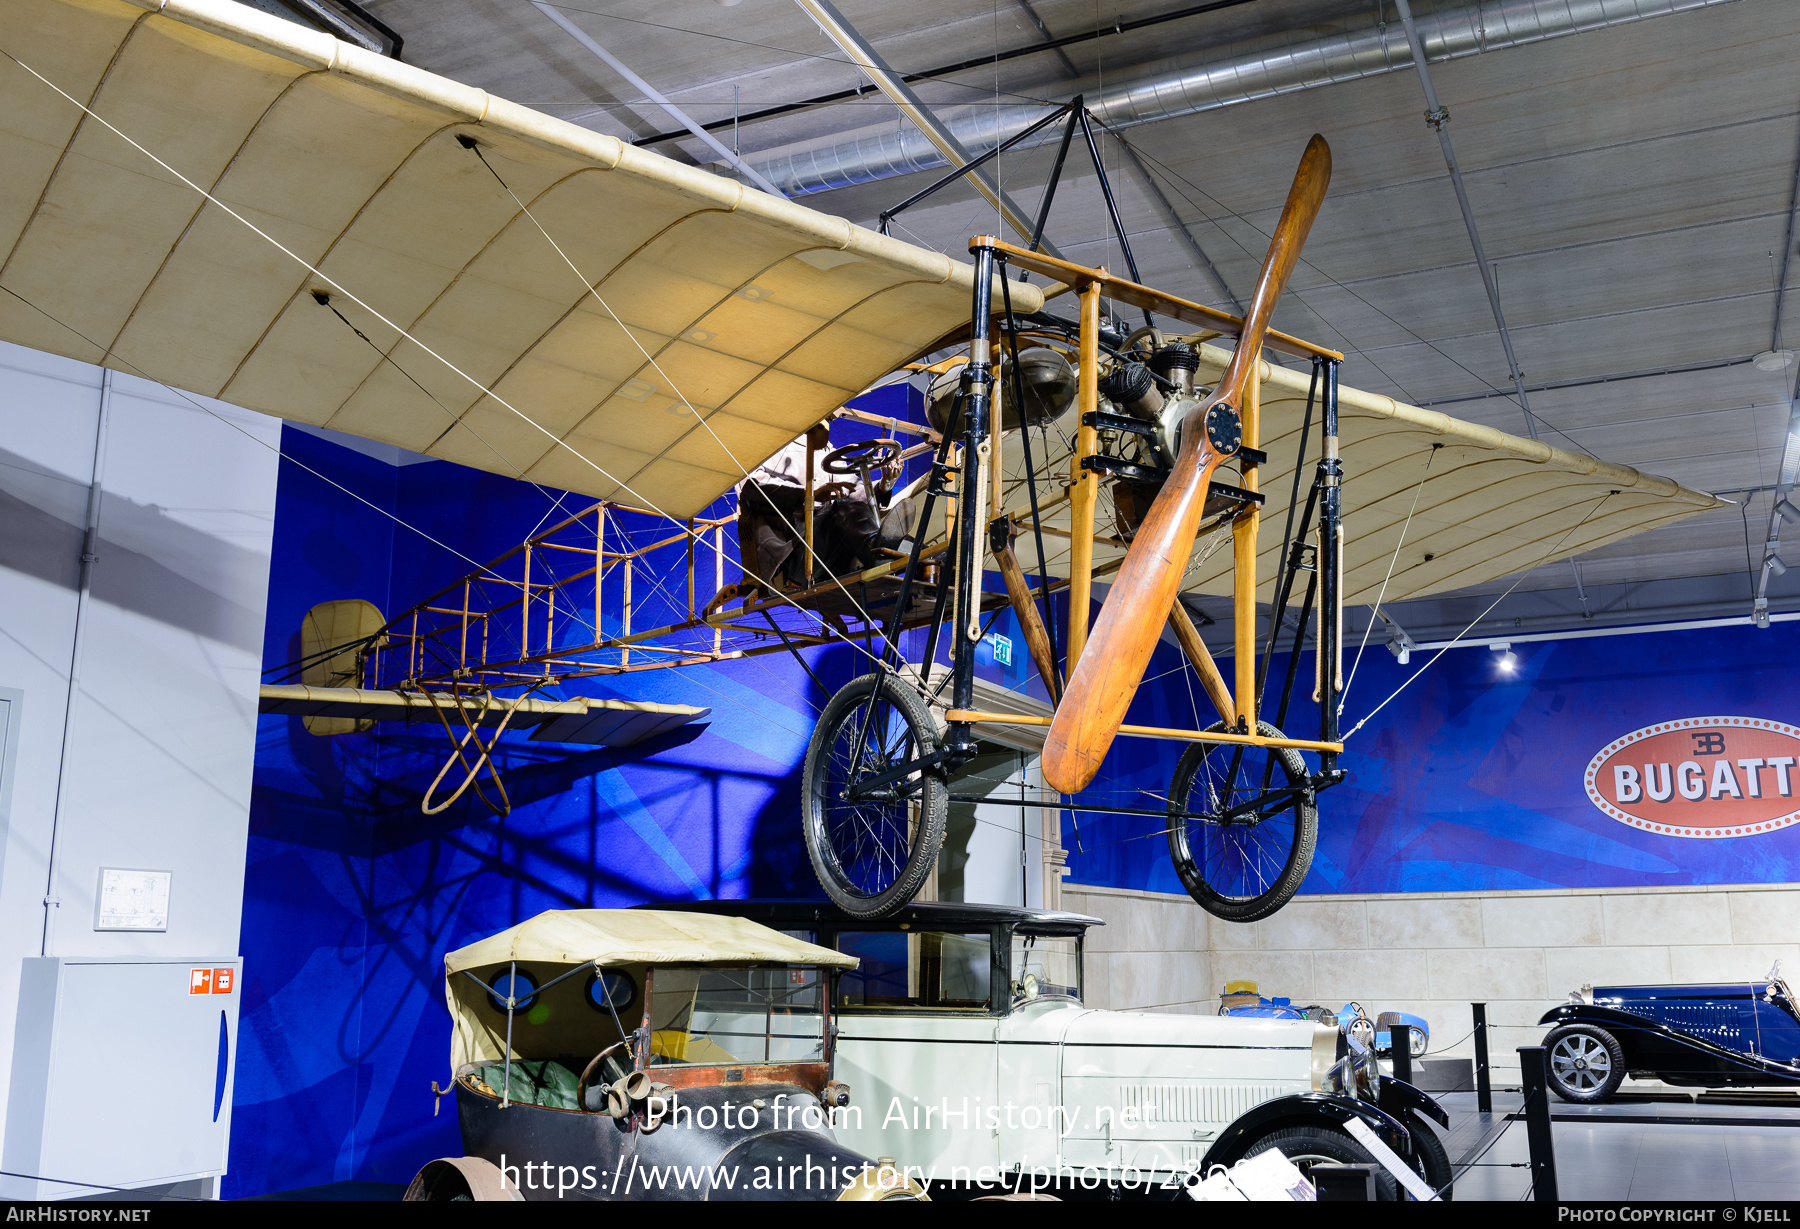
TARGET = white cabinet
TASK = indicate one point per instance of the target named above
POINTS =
(121, 1075)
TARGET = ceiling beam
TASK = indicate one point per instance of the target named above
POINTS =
(865, 57)
(613, 62)
(1053, 44)
(1438, 118)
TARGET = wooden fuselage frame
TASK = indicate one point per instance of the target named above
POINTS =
(451, 641)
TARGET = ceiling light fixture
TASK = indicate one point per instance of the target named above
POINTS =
(1773, 360)
(1775, 565)
(1789, 513)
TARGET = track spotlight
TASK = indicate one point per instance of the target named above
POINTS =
(1775, 564)
(1788, 512)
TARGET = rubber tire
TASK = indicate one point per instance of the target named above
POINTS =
(934, 801)
(1614, 1051)
(466, 1179)
(1335, 1147)
(1300, 855)
(1429, 1156)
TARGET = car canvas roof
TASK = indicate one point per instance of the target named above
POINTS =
(610, 937)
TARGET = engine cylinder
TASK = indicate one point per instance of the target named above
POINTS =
(1131, 387)
(1177, 362)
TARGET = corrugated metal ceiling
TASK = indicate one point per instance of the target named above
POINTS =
(1632, 185)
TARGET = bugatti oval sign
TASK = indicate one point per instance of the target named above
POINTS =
(1701, 777)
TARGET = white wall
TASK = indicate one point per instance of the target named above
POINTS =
(161, 736)
(1433, 953)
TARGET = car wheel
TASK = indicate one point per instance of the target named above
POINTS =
(1309, 1146)
(461, 1179)
(1429, 1157)
(1587, 1064)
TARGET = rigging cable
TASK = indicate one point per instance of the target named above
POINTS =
(292, 460)
(1344, 695)
(593, 290)
(1484, 614)
(285, 250)
(555, 440)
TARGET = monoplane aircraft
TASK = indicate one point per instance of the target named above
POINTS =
(213, 198)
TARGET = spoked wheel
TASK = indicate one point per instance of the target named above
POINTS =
(1587, 1064)
(1248, 837)
(872, 845)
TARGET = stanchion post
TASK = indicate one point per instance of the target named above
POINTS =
(1484, 1089)
(1534, 1067)
(1400, 1051)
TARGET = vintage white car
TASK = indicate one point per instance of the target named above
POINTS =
(967, 1050)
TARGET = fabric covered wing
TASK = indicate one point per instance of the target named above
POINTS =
(1491, 504)
(688, 293)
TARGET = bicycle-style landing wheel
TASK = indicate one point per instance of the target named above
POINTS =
(873, 829)
(1246, 839)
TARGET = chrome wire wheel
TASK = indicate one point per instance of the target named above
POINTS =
(1586, 1063)
(1581, 1062)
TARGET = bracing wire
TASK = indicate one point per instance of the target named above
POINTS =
(397, 520)
(1478, 618)
(1419, 490)
(593, 291)
(1170, 174)
(316, 271)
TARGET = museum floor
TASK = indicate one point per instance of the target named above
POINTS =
(1633, 1150)
(1667, 1149)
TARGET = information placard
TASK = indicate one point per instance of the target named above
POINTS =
(132, 899)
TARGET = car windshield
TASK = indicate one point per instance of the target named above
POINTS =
(1052, 961)
(937, 969)
(736, 1016)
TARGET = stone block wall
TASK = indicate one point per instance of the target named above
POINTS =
(1150, 956)
(1433, 954)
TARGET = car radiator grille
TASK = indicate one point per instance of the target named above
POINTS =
(1196, 1103)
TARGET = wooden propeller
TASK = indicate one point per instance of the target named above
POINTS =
(1130, 623)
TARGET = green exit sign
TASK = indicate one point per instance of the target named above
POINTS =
(1002, 649)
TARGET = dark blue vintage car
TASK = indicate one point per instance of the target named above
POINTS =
(1716, 1035)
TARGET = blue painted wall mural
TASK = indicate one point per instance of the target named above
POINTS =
(1469, 780)
(1473, 777)
(353, 896)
